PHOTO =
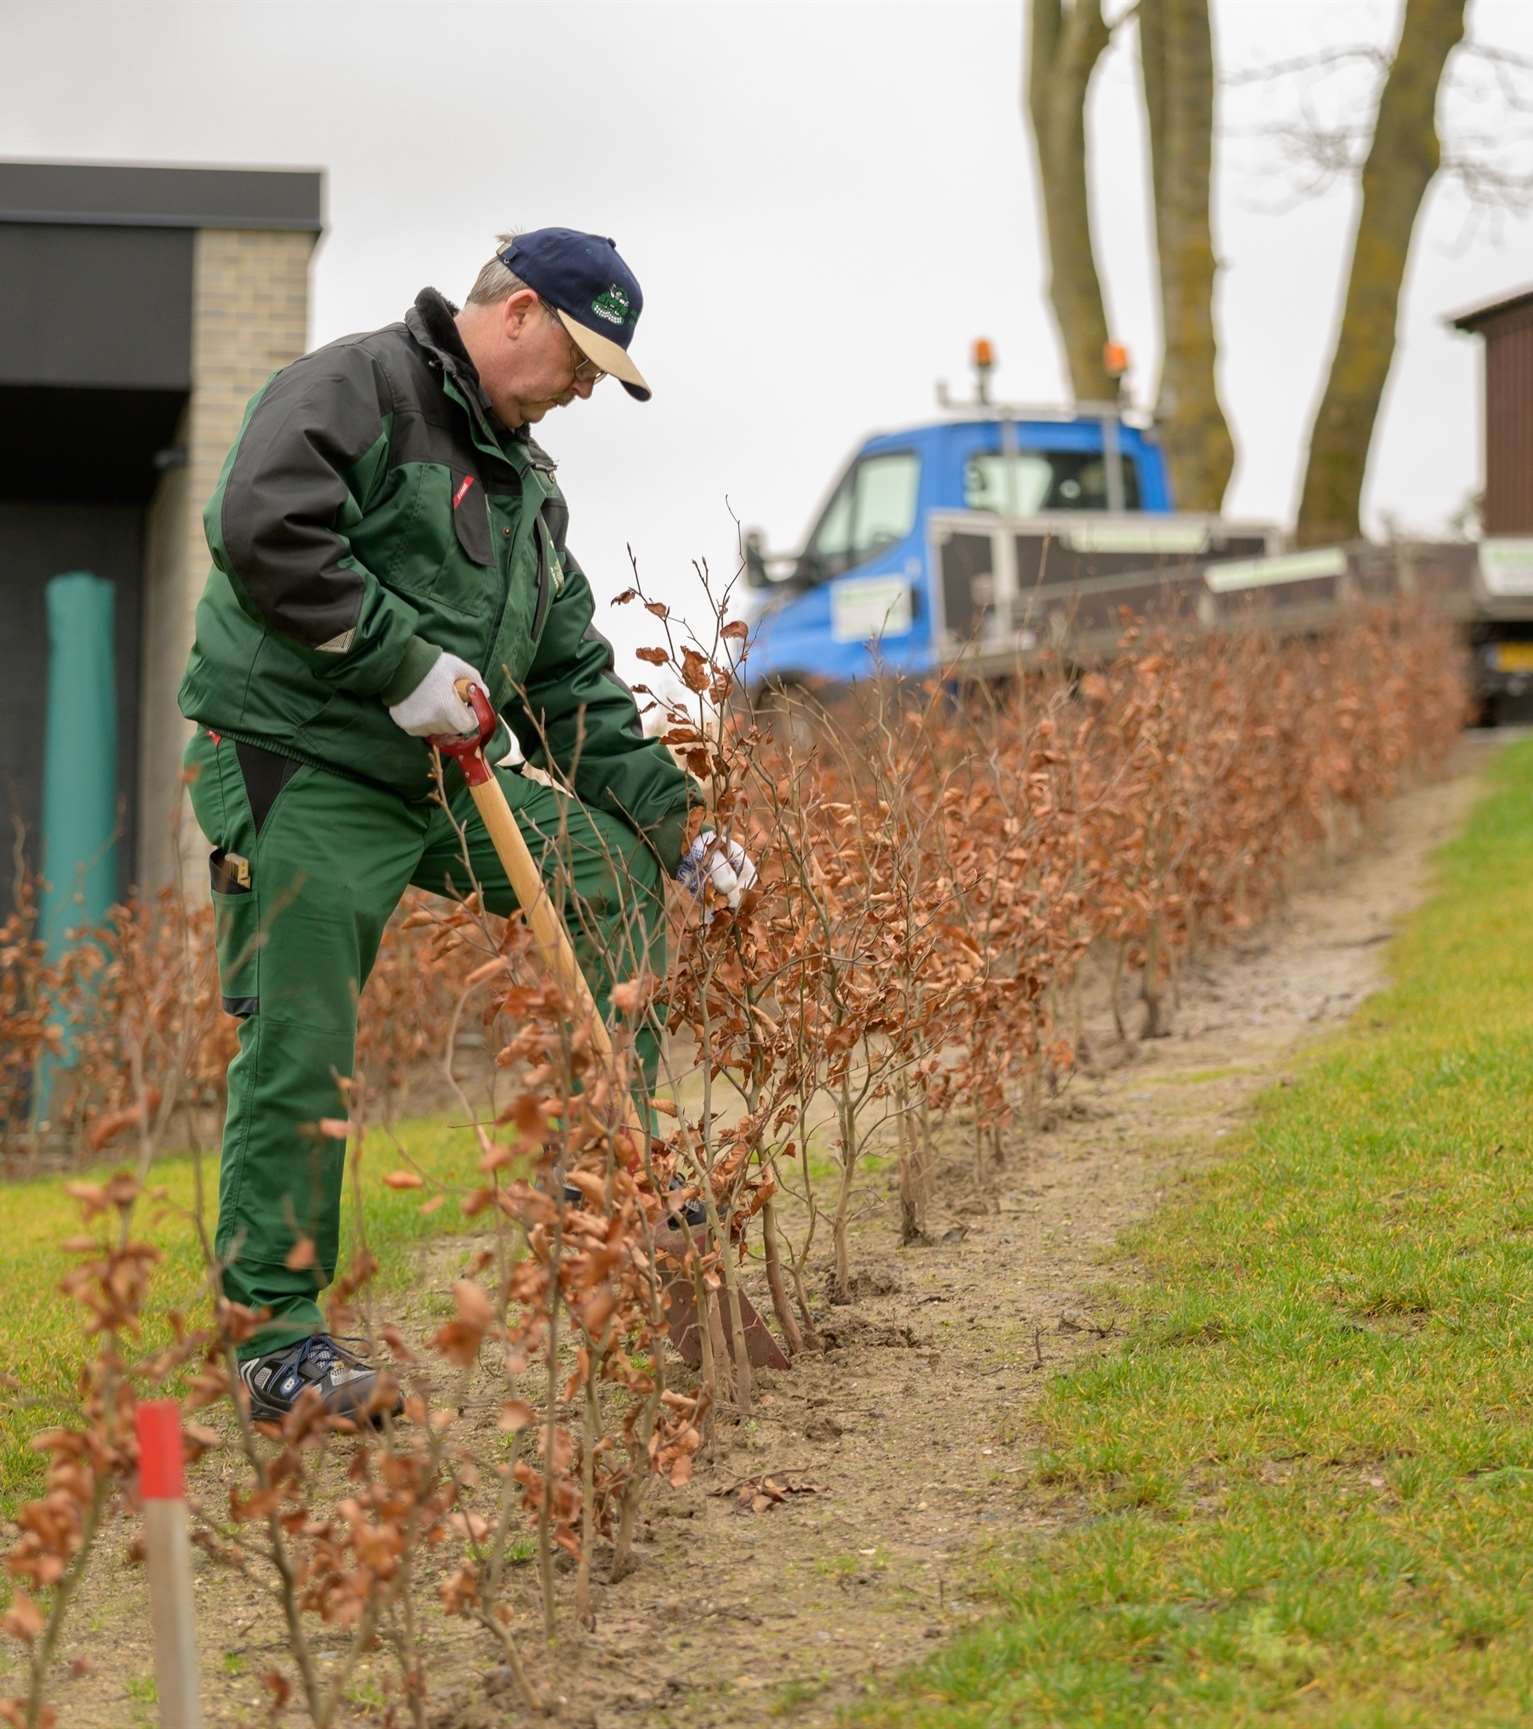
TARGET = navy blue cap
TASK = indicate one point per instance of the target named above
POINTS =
(596, 295)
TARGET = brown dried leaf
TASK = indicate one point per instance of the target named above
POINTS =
(474, 1306)
(110, 1126)
(23, 1620)
(696, 673)
(597, 1310)
(516, 1414)
(760, 1494)
(301, 1255)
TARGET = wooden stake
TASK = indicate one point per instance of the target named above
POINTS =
(172, 1613)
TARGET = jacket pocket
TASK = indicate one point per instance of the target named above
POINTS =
(553, 512)
(556, 515)
(440, 556)
(470, 517)
(467, 582)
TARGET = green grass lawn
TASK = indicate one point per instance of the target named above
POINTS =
(1302, 1492)
(41, 1345)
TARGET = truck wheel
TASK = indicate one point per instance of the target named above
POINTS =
(1487, 711)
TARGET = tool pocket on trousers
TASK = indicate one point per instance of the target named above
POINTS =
(236, 931)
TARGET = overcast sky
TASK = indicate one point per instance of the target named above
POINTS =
(824, 203)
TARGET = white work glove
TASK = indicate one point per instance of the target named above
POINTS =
(434, 706)
(723, 863)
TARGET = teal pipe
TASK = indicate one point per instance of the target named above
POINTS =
(79, 838)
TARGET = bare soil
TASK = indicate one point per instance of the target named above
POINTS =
(909, 1436)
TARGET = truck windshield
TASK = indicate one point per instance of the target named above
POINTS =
(1043, 480)
(874, 507)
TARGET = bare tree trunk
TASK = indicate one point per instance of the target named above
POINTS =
(1401, 161)
(1157, 1006)
(1177, 58)
(781, 1307)
(1065, 40)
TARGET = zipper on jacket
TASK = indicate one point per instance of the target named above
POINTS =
(481, 432)
(545, 549)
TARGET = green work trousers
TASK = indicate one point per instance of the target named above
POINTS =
(307, 866)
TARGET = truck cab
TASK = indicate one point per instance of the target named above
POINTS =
(864, 593)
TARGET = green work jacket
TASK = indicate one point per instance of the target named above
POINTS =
(373, 512)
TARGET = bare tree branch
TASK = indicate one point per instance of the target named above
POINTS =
(1492, 167)
(1326, 59)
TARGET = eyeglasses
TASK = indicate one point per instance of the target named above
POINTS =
(584, 370)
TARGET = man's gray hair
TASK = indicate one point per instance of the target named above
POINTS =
(495, 282)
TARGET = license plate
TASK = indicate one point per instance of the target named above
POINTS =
(1514, 656)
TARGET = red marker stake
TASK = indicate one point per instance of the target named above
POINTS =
(162, 1483)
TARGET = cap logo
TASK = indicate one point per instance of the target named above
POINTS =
(613, 305)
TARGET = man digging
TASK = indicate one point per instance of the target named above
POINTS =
(384, 527)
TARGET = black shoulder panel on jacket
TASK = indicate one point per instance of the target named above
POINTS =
(287, 486)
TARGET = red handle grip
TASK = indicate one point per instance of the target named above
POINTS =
(469, 750)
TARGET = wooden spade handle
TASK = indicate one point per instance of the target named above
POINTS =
(548, 932)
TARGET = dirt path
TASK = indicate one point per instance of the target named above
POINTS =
(910, 1422)
(907, 1428)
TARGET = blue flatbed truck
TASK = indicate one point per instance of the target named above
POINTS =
(991, 532)
(994, 534)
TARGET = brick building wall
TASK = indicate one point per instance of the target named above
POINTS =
(250, 314)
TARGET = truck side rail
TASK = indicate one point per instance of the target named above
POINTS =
(1004, 588)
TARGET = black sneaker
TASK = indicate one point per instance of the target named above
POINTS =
(348, 1386)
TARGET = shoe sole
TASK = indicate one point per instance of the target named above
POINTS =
(264, 1411)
